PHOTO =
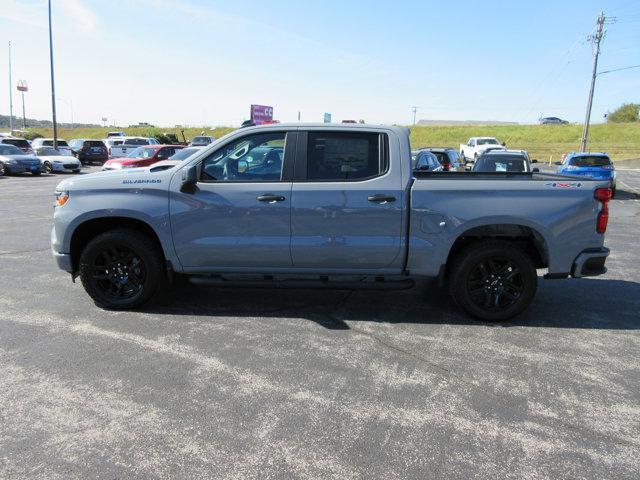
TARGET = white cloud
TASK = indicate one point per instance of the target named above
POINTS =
(81, 15)
(35, 13)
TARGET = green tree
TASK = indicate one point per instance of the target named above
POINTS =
(629, 112)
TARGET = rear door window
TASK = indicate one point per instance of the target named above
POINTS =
(345, 156)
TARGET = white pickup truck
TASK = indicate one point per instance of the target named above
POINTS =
(476, 146)
(123, 145)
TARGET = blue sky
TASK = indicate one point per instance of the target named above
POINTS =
(204, 62)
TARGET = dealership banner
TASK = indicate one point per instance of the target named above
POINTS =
(261, 114)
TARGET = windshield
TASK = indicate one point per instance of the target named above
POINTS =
(93, 143)
(49, 143)
(142, 153)
(201, 140)
(184, 153)
(487, 141)
(18, 142)
(590, 161)
(48, 151)
(10, 150)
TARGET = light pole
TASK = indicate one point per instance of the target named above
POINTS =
(414, 110)
(53, 87)
(10, 94)
(22, 87)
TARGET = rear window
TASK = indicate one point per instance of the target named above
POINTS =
(341, 156)
(502, 164)
(18, 142)
(93, 143)
(136, 141)
(590, 161)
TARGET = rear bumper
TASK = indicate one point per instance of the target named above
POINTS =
(590, 263)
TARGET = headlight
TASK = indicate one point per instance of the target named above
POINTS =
(12, 161)
(57, 161)
(62, 197)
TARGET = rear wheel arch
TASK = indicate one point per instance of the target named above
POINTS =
(530, 240)
(89, 229)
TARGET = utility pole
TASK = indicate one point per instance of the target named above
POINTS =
(414, 110)
(53, 87)
(10, 95)
(596, 39)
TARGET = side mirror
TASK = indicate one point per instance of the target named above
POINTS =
(557, 163)
(504, 144)
(534, 161)
(189, 179)
(536, 170)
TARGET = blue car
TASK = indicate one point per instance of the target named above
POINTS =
(594, 165)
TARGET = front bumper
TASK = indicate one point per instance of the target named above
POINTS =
(590, 263)
(59, 167)
(63, 260)
(15, 169)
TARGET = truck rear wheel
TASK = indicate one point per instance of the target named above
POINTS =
(121, 269)
(493, 280)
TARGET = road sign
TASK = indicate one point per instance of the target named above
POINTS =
(22, 86)
(327, 118)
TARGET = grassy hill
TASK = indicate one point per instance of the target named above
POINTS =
(620, 140)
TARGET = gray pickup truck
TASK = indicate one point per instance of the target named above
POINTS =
(327, 206)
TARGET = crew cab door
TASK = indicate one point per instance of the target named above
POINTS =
(347, 202)
(238, 216)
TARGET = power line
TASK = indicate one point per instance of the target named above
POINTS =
(619, 69)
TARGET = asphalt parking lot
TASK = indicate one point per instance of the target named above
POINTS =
(263, 384)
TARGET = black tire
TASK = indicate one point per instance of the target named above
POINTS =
(613, 192)
(47, 167)
(76, 171)
(3, 170)
(36, 173)
(121, 269)
(493, 280)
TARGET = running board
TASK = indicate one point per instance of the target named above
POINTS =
(371, 283)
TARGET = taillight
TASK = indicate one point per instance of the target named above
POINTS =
(607, 167)
(603, 195)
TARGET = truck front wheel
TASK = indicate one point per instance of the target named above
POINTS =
(493, 280)
(121, 269)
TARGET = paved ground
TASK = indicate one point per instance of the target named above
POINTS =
(293, 384)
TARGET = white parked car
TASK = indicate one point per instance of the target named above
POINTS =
(63, 146)
(122, 146)
(476, 146)
(54, 161)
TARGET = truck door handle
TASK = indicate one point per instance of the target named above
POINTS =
(381, 199)
(269, 198)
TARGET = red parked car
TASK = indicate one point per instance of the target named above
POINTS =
(142, 157)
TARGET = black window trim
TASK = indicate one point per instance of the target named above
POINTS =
(300, 169)
(286, 175)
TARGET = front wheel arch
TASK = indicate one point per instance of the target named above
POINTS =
(90, 229)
